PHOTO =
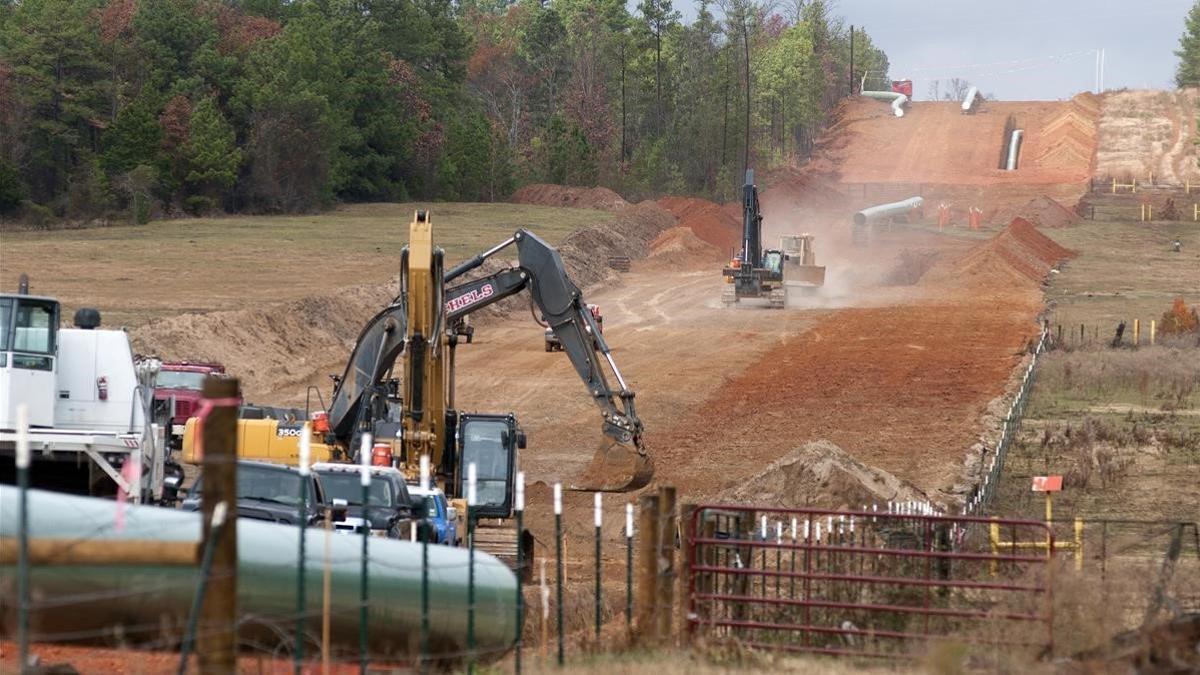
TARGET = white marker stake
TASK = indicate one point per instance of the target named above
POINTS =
(23, 454)
(779, 532)
(520, 505)
(807, 529)
(471, 484)
(558, 499)
(364, 460)
(817, 534)
(764, 528)
(629, 520)
(599, 510)
(793, 530)
(305, 450)
(424, 472)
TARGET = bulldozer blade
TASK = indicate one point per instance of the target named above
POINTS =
(616, 467)
(806, 275)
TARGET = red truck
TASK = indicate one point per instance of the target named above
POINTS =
(178, 388)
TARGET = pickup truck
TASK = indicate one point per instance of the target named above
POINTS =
(390, 512)
(431, 505)
(271, 492)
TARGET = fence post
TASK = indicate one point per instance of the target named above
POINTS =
(558, 564)
(666, 561)
(519, 512)
(687, 578)
(599, 518)
(301, 554)
(1153, 330)
(647, 573)
(1137, 331)
(217, 641)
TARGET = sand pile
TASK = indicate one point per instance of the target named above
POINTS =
(681, 245)
(546, 194)
(271, 348)
(820, 474)
(1041, 211)
(1019, 252)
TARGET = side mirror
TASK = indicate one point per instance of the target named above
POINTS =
(338, 511)
(521, 440)
(451, 513)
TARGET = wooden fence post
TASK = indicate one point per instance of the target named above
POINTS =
(647, 569)
(217, 637)
(688, 556)
(666, 561)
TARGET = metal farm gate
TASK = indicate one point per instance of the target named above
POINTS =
(867, 584)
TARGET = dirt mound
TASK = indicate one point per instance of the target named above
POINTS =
(820, 474)
(547, 194)
(1042, 211)
(270, 348)
(1144, 133)
(1018, 252)
(713, 223)
(276, 348)
(681, 245)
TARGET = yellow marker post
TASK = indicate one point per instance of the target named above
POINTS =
(1114, 191)
(1153, 331)
(1078, 544)
(1137, 331)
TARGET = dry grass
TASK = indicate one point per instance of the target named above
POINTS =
(137, 273)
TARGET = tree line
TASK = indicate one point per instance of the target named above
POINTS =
(131, 108)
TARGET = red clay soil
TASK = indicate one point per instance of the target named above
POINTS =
(545, 194)
(681, 245)
(1042, 211)
(1018, 249)
(936, 143)
(117, 661)
(711, 222)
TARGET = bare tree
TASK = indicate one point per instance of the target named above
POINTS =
(956, 89)
(934, 93)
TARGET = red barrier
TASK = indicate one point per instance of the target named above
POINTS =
(864, 584)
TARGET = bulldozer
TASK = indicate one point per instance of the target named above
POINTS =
(800, 263)
(754, 273)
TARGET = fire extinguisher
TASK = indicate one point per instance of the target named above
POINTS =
(102, 387)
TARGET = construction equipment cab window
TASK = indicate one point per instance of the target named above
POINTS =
(773, 260)
(27, 328)
(490, 441)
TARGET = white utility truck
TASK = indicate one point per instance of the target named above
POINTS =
(90, 404)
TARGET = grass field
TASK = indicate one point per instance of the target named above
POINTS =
(1122, 425)
(135, 274)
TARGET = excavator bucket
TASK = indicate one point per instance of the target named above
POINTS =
(616, 467)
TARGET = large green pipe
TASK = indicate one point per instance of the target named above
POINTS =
(149, 603)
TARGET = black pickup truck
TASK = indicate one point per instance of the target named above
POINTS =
(271, 492)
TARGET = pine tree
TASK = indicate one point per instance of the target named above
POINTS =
(1187, 73)
(213, 156)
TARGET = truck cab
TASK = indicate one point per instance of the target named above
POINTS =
(89, 403)
(178, 390)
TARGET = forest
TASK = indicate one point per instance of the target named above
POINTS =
(133, 109)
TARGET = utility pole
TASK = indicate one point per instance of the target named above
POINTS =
(217, 641)
(851, 59)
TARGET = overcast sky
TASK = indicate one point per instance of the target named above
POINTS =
(1021, 49)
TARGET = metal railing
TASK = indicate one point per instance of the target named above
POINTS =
(864, 584)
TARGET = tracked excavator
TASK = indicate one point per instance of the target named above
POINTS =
(415, 414)
(754, 273)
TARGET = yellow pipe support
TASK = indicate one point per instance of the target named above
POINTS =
(1137, 331)
(1153, 330)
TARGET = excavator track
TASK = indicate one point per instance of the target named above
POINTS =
(616, 467)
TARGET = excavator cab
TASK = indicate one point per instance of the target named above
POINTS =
(491, 442)
(773, 262)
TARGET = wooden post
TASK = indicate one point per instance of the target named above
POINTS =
(1153, 330)
(1137, 331)
(217, 639)
(684, 591)
(647, 570)
(666, 561)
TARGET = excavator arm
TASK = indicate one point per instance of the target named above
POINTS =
(375, 352)
(540, 269)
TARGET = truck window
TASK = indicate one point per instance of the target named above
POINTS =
(483, 444)
(346, 485)
(6, 305)
(33, 330)
(178, 379)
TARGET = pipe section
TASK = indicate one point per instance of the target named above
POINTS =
(148, 602)
(875, 213)
(897, 99)
(1014, 148)
(969, 99)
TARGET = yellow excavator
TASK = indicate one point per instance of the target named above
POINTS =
(415, 415)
